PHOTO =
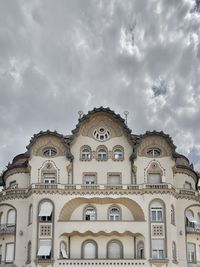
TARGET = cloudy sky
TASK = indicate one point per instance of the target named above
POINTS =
(61, 56)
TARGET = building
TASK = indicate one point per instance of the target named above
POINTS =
(100, 197)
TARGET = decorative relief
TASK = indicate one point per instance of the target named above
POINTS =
(158, 230)
(50, 167)
(45, 230)
(102, 126)
(154, 167)
(154, 142)
(47, 142)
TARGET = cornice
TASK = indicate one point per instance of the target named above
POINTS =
(12, 194)
(186, 170)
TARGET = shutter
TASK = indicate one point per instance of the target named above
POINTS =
(44, 248)
(158, 244)
(154, 178)
(114, 179)
(114, 251)
(11, 217)
(89, 251)
(9, 252)
(45, 209)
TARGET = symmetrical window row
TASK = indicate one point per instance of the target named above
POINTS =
(102, 153)
(90, 214)
(90, 249)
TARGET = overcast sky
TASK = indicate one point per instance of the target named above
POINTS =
(60, 56)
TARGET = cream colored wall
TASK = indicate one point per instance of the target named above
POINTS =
(22, 179)
(102, 212)
(101, 167)
(37, 162)
(181, 178)
(142, 164)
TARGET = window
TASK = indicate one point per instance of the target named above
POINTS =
(45, 211)
(118, 153)
(89, 250)
(154, 178)
(101, 134)
(29, 252)
(191, 255)
(9, 252)
(30, 214)
(115, 250)
(44, 251)
(89, 179)
(114, 179)
(190, 221)
(172, 215)
(114, 214)
(0, 254)
(102, 154)
(90, 214)
(49, 178)
(49, 152)
(153, 152)
(140, 250)
(11, 217)
(174, 251)
(13, 185)
(157, 211)
(158, 249)
(86, 153)
(187, 185)
(63, 250)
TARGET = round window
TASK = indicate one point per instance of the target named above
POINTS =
(101, 134)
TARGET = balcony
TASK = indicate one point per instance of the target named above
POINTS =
(193, 228)
(8, 229)
(101, 262)
(100, 227)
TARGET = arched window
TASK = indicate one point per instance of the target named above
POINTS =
(174, 251)
(29, 252)
(90, 214)
(172, 215)
(191, 252)
(140, 250)
(190, 221)
(63, 250)
(115, 249)
(49, 152)
(89, 249)
(30, 214)
(114, 214)
(118, 153)
(11, 217)
(153, 152)
(86, 153)
(157, 211)
(102, 153)
(45, 211)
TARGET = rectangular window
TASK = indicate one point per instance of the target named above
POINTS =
(158, 249)
(157, 214)
(154, 178)
(13, 185)
(89, 179)
(49, 178)
(9, 252)
(191, 252)
(114, 179)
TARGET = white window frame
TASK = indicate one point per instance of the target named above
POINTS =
(114, 216)
(157, 211)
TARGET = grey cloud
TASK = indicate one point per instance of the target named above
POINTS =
(60, 57)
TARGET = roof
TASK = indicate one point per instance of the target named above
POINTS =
(101, 109)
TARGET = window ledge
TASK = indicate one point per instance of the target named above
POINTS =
(158, 260)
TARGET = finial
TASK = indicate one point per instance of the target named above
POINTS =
(126, 115)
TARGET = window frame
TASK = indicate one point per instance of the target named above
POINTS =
(85, 210)
(103, 155)
(85, 156)
(84, 243)
(121, 256)
(119, 214)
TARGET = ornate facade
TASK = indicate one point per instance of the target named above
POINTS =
(101, 196)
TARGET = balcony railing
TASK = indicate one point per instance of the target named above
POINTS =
(101, 262)
(7, 229)
(193, 228)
